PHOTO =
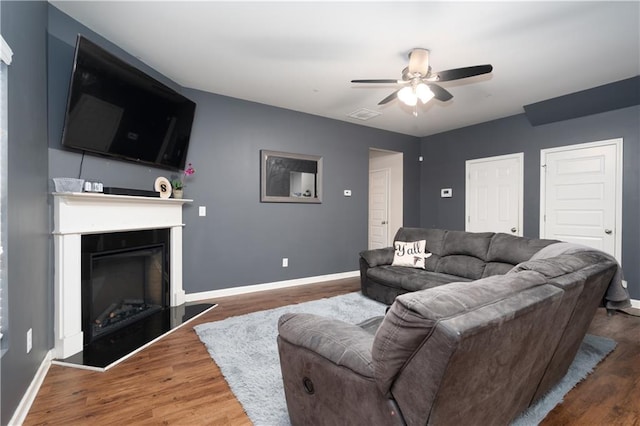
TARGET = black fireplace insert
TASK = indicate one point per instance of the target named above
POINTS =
(125, 278)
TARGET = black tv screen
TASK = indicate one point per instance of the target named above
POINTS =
(114, 109)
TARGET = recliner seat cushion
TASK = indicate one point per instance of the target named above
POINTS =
(462, 266)
(410, 279)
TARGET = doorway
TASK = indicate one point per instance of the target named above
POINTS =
(386, 183)
(581, 195)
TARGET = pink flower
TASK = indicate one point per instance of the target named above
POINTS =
(189, 170)
(179, 183)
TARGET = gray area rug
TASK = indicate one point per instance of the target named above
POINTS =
(245, 349)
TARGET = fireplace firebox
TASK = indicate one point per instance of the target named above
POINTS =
(125, 278)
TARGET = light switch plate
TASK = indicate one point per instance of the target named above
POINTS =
(202, 211)
(446, 193)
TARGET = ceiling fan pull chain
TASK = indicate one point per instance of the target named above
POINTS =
(415, 110)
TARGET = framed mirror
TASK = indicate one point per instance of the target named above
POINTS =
(290, 178)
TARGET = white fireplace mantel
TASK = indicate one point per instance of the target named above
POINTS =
(76, 214)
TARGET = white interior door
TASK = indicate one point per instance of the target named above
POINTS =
(581, 192)
(493, 194)
(378, 209)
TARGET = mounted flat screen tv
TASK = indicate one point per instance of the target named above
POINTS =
(116, 110)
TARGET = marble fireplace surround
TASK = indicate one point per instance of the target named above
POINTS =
(76, 214)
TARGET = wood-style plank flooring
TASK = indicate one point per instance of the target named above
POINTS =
(175, 382)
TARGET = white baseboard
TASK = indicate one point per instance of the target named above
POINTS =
(205, 295)
(30, 395)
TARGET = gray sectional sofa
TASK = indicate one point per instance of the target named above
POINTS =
(486, 329)
(456, 256)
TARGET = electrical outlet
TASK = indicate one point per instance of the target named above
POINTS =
(29, 340)
(285, 262)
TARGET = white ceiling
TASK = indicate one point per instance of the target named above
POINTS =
(302, 55)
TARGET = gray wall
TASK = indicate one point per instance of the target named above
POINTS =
(242, 241)
(445, 155)
(30, 300)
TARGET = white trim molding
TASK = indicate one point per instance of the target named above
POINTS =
(205, 295)
(26, 402)
(6, 54)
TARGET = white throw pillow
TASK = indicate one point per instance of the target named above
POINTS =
(411, 254)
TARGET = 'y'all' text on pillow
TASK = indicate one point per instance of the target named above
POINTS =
(411, 254)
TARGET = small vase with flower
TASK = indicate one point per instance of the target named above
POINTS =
(178, 183)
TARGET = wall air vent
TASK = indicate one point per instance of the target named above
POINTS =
(364, 114)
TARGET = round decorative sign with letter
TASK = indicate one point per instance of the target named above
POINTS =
(163, 186)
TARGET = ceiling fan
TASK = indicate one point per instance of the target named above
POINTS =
(420, 83)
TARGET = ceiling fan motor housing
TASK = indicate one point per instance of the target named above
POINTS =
(419, 62)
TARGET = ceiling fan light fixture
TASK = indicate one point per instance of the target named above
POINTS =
(424, 93)
(408, 96)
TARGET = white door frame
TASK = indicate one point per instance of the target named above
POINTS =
(388, 212)
(392, 160)
(618, 195)
(517, 156)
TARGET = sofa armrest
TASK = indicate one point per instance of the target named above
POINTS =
(342, 343)
(375, 257)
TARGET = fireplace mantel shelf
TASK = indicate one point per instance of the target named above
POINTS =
(77, 214)
(86, 213)
(95, 196)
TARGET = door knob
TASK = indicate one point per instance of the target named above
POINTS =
(514, 230)
(384, 222)
(608, 231)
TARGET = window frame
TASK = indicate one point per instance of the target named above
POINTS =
(6, 56)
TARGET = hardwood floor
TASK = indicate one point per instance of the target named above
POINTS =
(175, 382)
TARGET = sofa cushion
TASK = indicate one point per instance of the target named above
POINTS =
(556, 266)
(381, 256)
(462, 266)
(496, 268)
(413, 316)
(433, 237)
(507, 248)
(474, 244)
(410, 279)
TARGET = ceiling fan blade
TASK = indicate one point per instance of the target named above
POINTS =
(459, 73)
(387, 81)
(440, 93)
(389, 98)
